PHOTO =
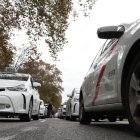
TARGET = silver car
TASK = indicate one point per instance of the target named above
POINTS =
(111, 89)
(19, 96)
(72, 108)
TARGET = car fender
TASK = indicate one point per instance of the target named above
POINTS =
(126, 44)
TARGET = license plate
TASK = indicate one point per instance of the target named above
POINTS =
(2, 106)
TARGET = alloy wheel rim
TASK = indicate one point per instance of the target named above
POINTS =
(134, 94)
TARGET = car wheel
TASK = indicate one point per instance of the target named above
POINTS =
(96, 119)
(112, 118)
(121, 118)
(72, 118)
(132, 94)
(84, 117)
(67, 117)
(36, 117)
(27, 117)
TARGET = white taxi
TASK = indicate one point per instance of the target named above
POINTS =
(111, 89)
(19, 96)
(42, 110)
(72, 105)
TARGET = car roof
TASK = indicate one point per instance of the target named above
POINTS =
(14, 74)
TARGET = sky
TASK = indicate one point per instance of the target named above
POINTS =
(83, 43)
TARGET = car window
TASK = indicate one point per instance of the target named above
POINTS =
(107, 44)
(94, 62)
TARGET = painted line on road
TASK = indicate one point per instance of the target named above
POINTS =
(42, 120)
(8, 138)
(31, 128)
(123, 122)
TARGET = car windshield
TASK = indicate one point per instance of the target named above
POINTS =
(18, 77)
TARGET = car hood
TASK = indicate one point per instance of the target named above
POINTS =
(10, 83)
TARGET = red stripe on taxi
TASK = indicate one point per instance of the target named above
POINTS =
(98, 84)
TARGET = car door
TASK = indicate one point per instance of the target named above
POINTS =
(105, 75)
(88, 86)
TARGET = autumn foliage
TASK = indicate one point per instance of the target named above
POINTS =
(6, 53)
(39, 18)
(50, 78)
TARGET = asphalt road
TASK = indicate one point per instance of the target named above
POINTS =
(57, 129)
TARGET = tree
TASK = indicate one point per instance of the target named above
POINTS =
(6, 52)
(82, 8)
(25, 54)
(50, 78)
(39, 18)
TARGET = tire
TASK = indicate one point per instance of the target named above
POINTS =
(84, 117)
(72, 118)
(27, 117)
(112, 118)
(96, 119)
(132, 94)
(121, 118)
(36, 117)
(67, 118)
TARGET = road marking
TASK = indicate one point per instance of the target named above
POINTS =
(8, 138)
(31, 128)
(42, 120)
(123, 122)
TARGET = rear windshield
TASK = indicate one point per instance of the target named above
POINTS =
(14, 77)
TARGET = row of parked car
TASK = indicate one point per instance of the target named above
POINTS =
(70, 109)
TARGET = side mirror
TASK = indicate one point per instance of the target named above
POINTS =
(110, 32)
(36, 84)
(69, 95)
